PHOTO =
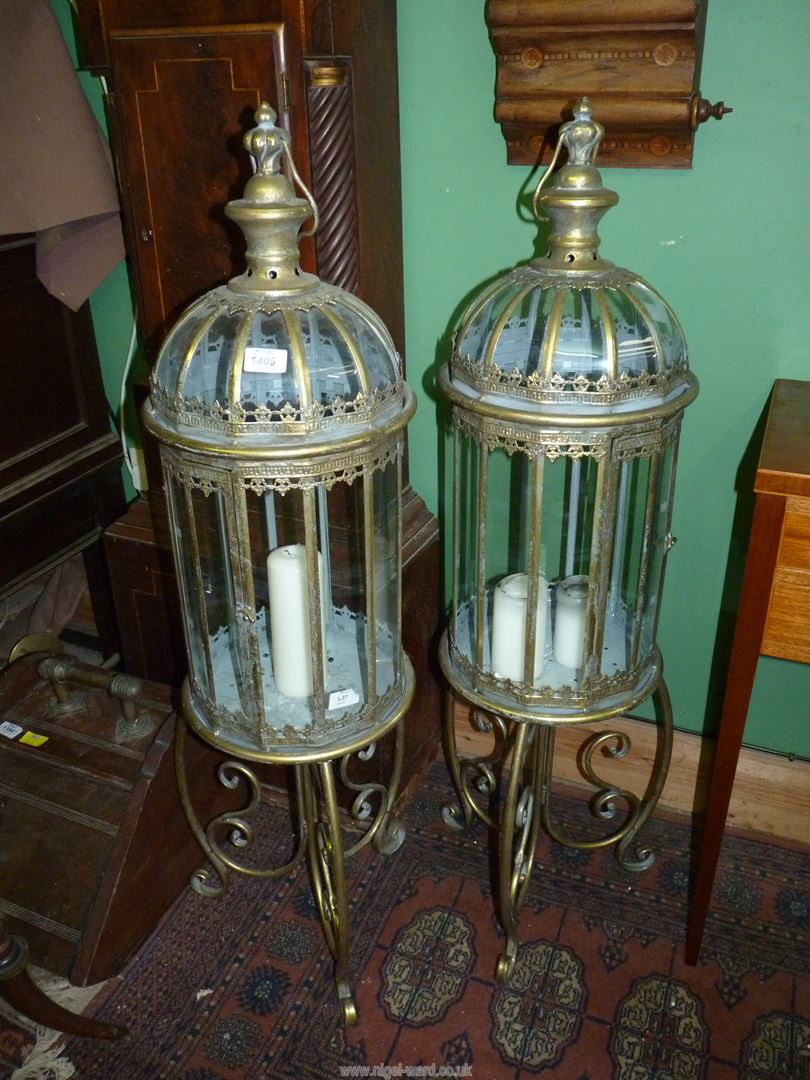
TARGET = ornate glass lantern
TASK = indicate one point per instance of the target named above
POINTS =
(281, 410)
(568, 381)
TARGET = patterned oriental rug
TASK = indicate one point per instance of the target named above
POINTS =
(241, 987)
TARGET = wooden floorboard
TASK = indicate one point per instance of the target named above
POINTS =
(771, 793)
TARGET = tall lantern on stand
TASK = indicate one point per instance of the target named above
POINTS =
(281, 411)
(568, 381)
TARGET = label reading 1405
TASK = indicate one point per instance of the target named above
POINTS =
(265, 361)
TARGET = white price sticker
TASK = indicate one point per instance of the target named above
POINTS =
(340, 699)
(266, 361)
(11, 731)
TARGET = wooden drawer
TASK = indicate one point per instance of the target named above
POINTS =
(794, 548)
(787, 629)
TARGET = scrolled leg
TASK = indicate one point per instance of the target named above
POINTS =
(386, 832)
(236, 825)
(643, 857)
(327, 869)
(518, 840)
(202, 880)
(474, 779)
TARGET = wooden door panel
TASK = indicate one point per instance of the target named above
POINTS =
(183, 102)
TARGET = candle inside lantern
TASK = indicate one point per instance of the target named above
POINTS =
(290, 638)
(569, 622)
(509, 627)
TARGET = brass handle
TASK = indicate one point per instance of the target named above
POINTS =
(701, 109)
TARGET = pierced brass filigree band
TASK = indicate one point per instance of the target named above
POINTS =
(281, 476)
(492, 433)
(225, 722)
(598, 689)
(287, 419)
(568, 389)
(639, 441)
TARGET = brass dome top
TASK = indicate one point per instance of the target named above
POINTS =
(276, 354)
(571, 329)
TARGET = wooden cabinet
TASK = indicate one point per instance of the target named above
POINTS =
(185, 79)
(773, 618)
(60, 479)
(637, 60)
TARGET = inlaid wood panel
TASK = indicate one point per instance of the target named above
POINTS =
(185, 100)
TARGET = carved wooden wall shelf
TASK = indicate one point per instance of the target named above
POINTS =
(637, 60)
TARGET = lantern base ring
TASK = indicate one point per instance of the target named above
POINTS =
(227, 838)
(527, 750)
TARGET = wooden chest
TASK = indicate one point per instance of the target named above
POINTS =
(94, 845)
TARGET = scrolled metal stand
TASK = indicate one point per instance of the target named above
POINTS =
(527, 746)
(319, 837)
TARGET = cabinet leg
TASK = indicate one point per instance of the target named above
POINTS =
(22, 993)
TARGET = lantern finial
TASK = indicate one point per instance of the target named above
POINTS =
(582, 135)
(577, 199)
(271, 214)
(266, 143)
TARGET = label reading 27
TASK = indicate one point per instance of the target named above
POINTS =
(339, 699)
(265, 361)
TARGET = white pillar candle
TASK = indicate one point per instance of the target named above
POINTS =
(569, 622)
(509, 627)
(290, 639)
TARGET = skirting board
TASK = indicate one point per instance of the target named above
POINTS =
(771, 793)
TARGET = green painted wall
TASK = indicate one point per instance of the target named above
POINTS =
(726, 242)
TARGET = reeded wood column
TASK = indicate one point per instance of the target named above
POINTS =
(332, 157)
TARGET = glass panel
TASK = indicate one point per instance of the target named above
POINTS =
(268, 378)
(669, 330)
(515, 553)
(332, 366)
(386, 574)
(627, 566)
(465, 565)
(208, 375)
(635, 345)
(569, 504)
(231, 690)
(190, 582)
(475, 337)
(662, 508)
(341, 517)
(280, 579)
(520, 344)
(373, 341)
(581, 341)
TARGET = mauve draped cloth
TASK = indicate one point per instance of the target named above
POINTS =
(56, 175)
